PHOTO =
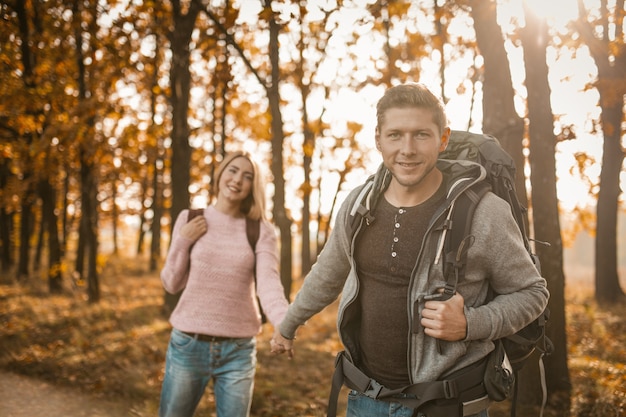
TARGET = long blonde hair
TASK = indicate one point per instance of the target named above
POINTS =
(254, 205)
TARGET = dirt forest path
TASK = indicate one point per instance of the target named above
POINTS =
(22, 396)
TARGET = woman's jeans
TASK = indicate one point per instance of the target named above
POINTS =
(360, 405)
(189, 366)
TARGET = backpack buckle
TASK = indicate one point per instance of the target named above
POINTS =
(450, 389)
(373, 389)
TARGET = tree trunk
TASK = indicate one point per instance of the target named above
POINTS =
(115, 216)
(25, 228)
(65, 223)
(6, 247)
(89, 200)
(308, 147)
(607, 278)
(545, 210)
(157, 170)
(28, 62)
(500, 118)
(157, 213)
(608, 50)
(89, 220)
(280, 214)
(6, 227)
(50, 221)
(79, 264)
(143, 223)
(180, 78)
(86, 253)
(36, 264)
(609, 54)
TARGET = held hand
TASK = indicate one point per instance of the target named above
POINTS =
(279, 344)
(194, 229)
(445, 320)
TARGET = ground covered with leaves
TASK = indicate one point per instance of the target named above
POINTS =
(116, 348)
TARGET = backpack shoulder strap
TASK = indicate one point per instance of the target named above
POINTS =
(253, 227)
(253, 230)
(460, 239)
(361, 208)
(194, 213)
(365, 203)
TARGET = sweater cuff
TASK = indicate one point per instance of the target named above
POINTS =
(477, 328)
(286, 330)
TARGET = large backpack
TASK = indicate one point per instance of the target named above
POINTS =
(485, 150)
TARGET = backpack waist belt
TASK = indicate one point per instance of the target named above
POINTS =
(465, 386)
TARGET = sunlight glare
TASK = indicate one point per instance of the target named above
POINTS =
(558, 12)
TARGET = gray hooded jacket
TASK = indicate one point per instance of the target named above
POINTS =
(497, 258)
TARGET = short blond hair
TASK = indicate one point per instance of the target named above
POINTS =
(410, 96)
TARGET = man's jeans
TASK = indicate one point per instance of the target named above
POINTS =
(360, 405)
(190, 365)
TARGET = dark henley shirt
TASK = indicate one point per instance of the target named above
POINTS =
(386, 253)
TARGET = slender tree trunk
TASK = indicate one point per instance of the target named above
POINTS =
(143, 224)
(6, 246)
(28, 63)
(114, 217)
(89, 201)
(93, 280)
(607, 285)
(157, 214)
(25, 228)
(41, 233)
(65, 223)
(281, 218)
(79, 264)
(89, 227)
(442, 34)
(308, 148)
(142, 232)
(545, 208)
(50, 221)
(180, 80)
(6, 227)
(157, 170)
(309, 145)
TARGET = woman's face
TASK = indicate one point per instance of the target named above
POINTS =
(236, 180)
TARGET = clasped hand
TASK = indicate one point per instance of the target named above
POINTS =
(445, 320)
(279, 344)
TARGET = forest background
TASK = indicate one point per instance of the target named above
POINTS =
(114, 114)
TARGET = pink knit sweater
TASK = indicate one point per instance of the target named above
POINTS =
(219, 297)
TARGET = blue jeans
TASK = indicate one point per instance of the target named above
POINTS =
(360, 405)
(190, 365)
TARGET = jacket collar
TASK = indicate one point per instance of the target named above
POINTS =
(458, 174)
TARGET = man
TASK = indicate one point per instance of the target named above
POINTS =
(399, 334)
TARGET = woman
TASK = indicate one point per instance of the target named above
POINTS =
(217, 317)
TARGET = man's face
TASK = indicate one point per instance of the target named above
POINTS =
(409, 142)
